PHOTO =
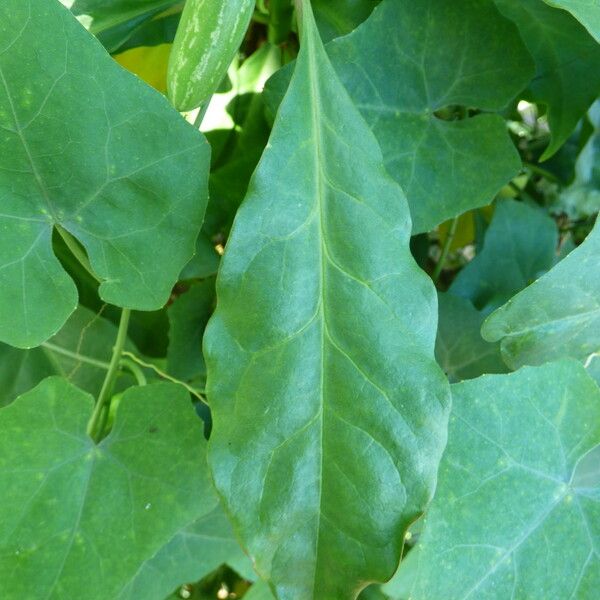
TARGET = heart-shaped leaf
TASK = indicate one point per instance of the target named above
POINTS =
(519, 487)
(70, 507)
(87, 147)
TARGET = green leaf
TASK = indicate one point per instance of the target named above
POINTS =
(340, 17)
(519, 246)
(204, 263)
(193, 553)
(87, 147)
(557, 315)
(259, 591)
(582, 198)
(329, 410)
(188, 316)
(99, 15)
(442, 54)
(517, 507)
(80, 519)
(80, 352)
(459, 348)
(586, 12)
(567, 61)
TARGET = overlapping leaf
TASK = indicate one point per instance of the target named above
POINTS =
(459, 348)
(411, 59)
(192, 554)
(329, 410)
(567, 61)
(519, 246)
(556, 316)
(80, 352)
(340, 17)
(586, 11)
(79, 519)
(517, 508)
(87, 147)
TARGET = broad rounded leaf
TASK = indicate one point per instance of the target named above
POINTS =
(86, 146)
(567, 61)
(329, 410)
(556, 316)
(517, 509)
(71, 507)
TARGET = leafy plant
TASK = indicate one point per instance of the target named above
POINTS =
(330, 332)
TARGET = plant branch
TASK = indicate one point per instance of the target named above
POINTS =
(96, 424)
(445, 250)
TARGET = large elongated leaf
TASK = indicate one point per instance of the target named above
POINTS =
(411, 59)
(329, 411)
(79, 519)
(87, 146)
(586, 11)
(567, 61)
(519, 246)
(556, 316)
(517, 509)
(80, 352)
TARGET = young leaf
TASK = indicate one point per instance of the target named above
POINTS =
(459, 348)
(519, 246)
(329, 410)
(557, 315)
(73, 508)
(87, 147)
(409, 61)
(517, 508)
(567, 61)
(192, 554)
(586, 11)
(80, 352)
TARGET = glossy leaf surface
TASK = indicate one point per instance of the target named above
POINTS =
(567, 61)
(329, 411)
(87, 147)
(518, 488)
(556, 316)
(443, 54)
(73, 507)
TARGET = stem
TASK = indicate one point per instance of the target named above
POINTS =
(166, 376)
(445, 250)
(77, 251)
(135, 371)
(76, 356)
(96, 424)
(201, 114)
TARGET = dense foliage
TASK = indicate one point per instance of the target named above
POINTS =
(299, 300)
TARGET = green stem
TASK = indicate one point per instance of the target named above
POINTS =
(76, 356)
(96, 424)
(445, 250)
(201, 114)
(77, 251)
(135, 371)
